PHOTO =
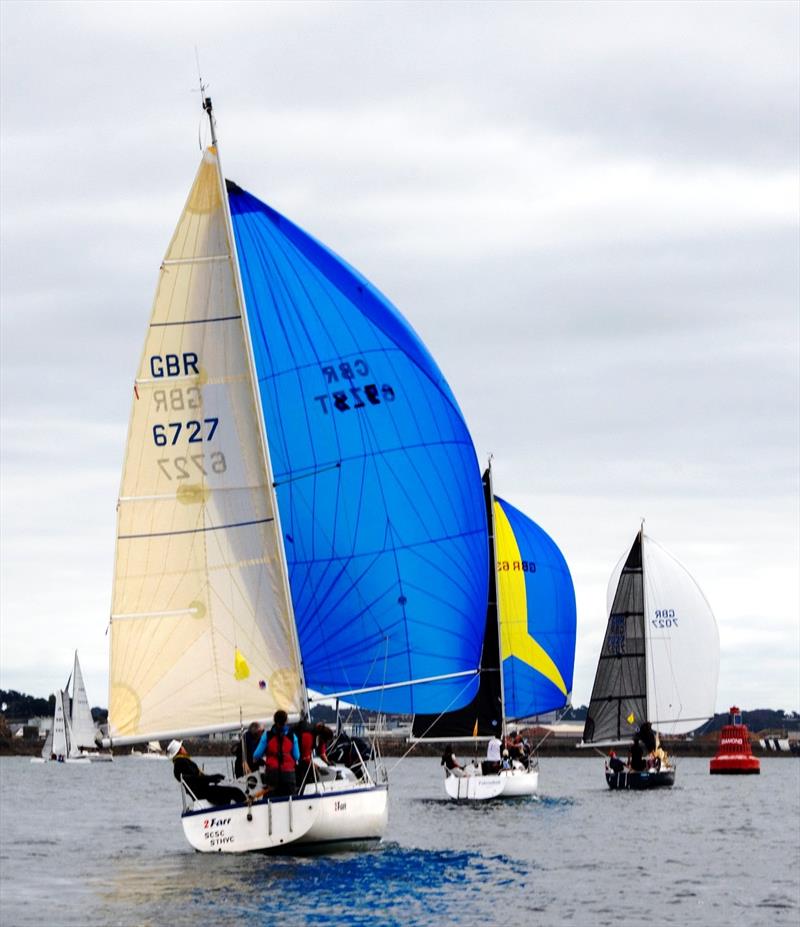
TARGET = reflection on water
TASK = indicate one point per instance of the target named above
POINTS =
(104, 846)
(388, 885)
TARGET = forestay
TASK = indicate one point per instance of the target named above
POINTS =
(201, 630)
(376, 476)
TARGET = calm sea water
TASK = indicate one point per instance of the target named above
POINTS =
(102, 845)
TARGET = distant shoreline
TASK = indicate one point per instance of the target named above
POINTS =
(395, 747)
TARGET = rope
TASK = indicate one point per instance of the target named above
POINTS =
(431, 725)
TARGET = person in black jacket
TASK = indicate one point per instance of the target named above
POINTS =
(199, 784)
(243, 751)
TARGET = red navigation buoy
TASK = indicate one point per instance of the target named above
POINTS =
(734, 755)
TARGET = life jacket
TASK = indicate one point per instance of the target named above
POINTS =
(306, 739)
(279, 752)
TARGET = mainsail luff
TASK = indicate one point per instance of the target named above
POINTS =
(201, 630)
(262, 430)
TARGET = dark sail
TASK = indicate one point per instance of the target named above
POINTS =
(619, 697)
(483, 716)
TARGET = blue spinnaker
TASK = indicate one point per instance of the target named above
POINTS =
(536, 602)
(378, 484)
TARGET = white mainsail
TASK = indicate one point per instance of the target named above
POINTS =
(202, 634)
(59, 742)
(81, 721)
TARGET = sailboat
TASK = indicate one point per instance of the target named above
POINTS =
(528, 653)
(658, 666)
(153, 751)
(300, 509)
(73, 738)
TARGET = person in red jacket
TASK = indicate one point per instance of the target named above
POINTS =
(281, 753)
(306, 740)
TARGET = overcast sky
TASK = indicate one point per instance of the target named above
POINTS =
(588, 211)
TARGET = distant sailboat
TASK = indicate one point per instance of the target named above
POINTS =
(659, 662)
(528, 652)
(153, 751)
(73, 738)
(300, 507)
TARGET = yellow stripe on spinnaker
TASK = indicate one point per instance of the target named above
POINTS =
(515, 639)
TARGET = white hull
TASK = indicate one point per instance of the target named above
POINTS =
(72, 760)
(91, 758)
(508, 783)
(345, 815)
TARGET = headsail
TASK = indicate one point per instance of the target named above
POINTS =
(376, 476)
(537, 615)
(201, 629)
(81, 721)
(59, 743)
(682, 645)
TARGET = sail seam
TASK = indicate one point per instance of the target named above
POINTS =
(220, 318)
(206, 259)
(162, 534)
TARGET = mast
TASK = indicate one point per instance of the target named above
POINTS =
(263, 442)
(648, 651)
(493, 555)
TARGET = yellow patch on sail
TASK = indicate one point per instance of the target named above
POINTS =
(125, 707)
(192, 494)
(205, 195)
(516, 640)
(284, 685)
(630, 719)
(197, 609)
(240, 668)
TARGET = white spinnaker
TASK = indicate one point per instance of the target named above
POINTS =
(59, 727)
(201, 632)
(81, 722)
(682, 644)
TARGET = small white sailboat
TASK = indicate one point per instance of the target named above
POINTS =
(300, 508)
(152, 752)
(658, 666)
(527, 661)
(73, 738)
